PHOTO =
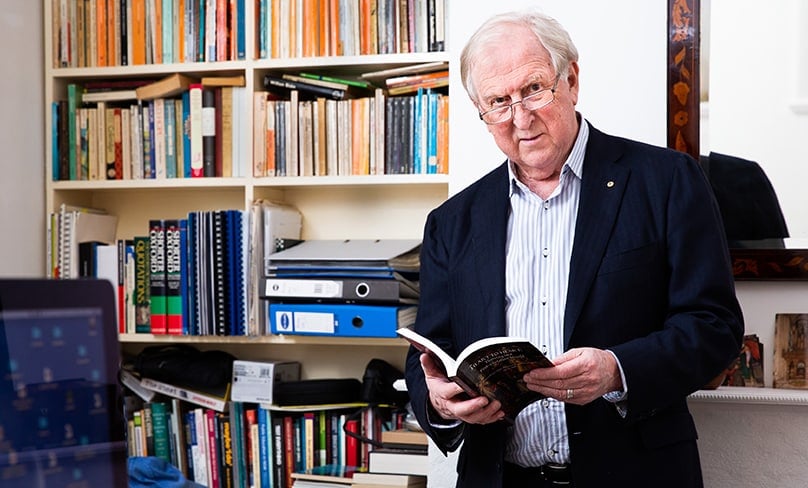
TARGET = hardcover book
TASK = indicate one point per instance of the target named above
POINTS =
(492, 367)
(169, 86)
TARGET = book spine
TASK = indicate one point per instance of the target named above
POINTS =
(264, 446)
(142, 285)
(170, 138)
(160, 430)
(213, 451)
(184, 278)
(208, 132)
(274, 84)
(157, 276)
(173, 274)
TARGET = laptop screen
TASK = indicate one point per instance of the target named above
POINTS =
(61, 421)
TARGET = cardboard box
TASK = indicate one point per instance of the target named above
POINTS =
(253, 381)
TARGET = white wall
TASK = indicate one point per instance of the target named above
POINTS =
(622, 48)
(22, 201)
(758, 106)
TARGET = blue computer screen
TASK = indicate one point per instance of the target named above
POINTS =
(59, 414)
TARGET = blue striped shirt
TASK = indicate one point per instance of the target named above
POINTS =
(539, 246)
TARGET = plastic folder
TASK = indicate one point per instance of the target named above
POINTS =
(339, 320)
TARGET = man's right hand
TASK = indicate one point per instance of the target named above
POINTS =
(451, 402)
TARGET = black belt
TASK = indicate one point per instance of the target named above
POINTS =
(551, 474)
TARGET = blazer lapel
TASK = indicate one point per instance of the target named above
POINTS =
(488, 233)
(602, 190)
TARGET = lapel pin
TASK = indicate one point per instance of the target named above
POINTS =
(609, 184)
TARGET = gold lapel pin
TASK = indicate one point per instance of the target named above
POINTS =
(609, 184)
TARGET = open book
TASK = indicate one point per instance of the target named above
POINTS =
(492, 367)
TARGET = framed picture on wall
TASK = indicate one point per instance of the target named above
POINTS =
(791, 351)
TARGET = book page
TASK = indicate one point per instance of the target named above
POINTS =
(425, 345)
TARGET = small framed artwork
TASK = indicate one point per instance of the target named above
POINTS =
(747, 369)
(790, 351)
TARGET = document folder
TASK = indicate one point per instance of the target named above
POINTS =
(339, 320)
(360, 254)
(353, 290)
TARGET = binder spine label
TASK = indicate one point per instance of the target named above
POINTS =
(306, 322)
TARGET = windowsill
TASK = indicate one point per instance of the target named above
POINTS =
(751, 395)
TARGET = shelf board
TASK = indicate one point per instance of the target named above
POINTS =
(352, 63)
(139, 184)
(145, 70)
(348, 181)
(272, 181)
(750, 395)
(261, 340)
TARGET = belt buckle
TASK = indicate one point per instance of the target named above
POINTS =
(557, 474)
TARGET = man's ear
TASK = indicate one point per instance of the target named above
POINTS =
(572, 81)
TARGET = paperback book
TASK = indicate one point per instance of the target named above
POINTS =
(492, 367)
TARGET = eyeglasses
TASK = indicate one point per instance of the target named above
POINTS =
(530, 102)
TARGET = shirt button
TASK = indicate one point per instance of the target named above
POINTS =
(545, 252)
(544, 300)
(545, 403)
(546, 205)
(544, 348)
(551, 452)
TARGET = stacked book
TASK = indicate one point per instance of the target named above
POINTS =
(347, 288)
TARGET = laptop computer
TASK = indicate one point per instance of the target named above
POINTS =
(61, 418)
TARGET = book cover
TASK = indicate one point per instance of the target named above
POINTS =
(397, 461)
(174, 296)
(209, 132)
(142, 285)
(283, 86)
(492, 367)
(213, 399)
(169, 86)
(160, 430)
(157, 277)
(368, 479)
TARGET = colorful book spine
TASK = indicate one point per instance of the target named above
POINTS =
(142, 285)
(173, 277)
(157, 277)
(160, 430)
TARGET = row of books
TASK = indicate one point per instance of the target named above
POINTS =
(89, 33)
(111, 132)
(196, 134)
(303, 28)
(370, 135)
(250, 444)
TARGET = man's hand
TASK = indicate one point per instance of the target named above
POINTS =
(451, 402)
(579, 376)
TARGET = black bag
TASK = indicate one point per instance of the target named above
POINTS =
(377, 384)
(183, 365)
(316, 392)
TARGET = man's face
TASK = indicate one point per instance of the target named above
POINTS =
(513, 66)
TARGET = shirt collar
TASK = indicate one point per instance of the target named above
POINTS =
(574, 162)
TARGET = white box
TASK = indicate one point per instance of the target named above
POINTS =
(253, 381)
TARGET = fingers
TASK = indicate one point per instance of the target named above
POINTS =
(580, 376)
(451, 402)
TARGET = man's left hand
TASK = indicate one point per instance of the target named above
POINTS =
(579, 376)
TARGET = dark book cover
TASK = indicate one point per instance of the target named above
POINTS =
(173, 277)
(157, 276)
(208, 132)
(310, 90)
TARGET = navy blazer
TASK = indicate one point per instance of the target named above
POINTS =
(650, 280)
